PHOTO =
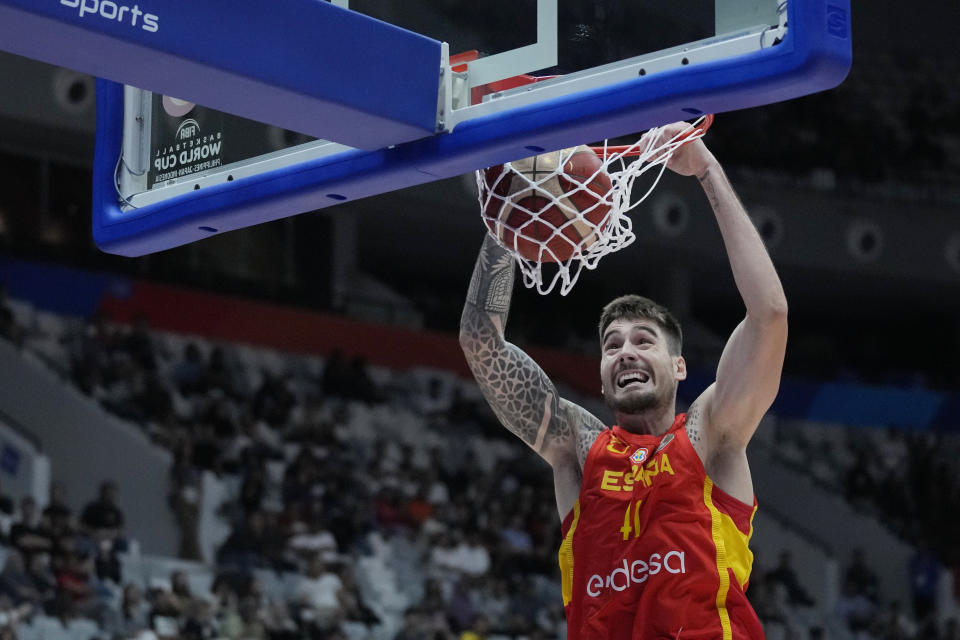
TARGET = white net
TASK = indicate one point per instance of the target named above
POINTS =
(560, 212)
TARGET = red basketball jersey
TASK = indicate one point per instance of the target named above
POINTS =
(652, 549)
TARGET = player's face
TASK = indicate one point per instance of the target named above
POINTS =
(637, 369)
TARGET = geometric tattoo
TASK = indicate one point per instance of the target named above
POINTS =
(519, 392)
(693, 425)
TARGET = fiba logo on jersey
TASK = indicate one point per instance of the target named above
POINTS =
(637, 572)
(639, 455)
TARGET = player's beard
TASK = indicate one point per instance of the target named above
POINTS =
(632, 404)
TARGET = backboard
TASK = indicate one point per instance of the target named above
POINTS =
(513, 78)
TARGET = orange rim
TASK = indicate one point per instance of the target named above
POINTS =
(631, 150)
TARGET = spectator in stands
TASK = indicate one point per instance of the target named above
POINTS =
(91, 360)
(516, 537)
(443, 562)
(153, 402)
(188, 375)
(300, 478)
(254, 485)
(473, 557)
(437, 493)
(58, 513)
(11, 617)
(493, 600)
(319, 591)
(312, 539)
(524, 605)
(246, 547)
(44, 580)
(355, 609)
(77, 580)
(138, 343)
(205, 449)
(164, 618)
(198, 621)
(103, 522)
(924, 571)
(768, 598)
(219, 374)
(17, 584)
(363, 387)
(273, 613)
(460, 607)
(273, 401)
(418, 508)
(60, 522)
(855, 609)
(180, 595)
(131, 619)
(861, 577)
(391, 515)
(785, 575)
(336, 379)
(412, 627)
(30, 535)
(418, 625)
(6, 504)
(184, 500)
(435, 399)
(896, 623)
(478, 628)
(103, 519)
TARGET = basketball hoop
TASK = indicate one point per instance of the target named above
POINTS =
(560, 212)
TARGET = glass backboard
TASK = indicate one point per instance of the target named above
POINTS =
(516, 77)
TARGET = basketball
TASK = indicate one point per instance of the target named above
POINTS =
(545, 212)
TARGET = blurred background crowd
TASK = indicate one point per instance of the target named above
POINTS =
(363, 502)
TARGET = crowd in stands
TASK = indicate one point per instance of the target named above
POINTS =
(888, 474)
(785, 606)
(313, 496)
(908, 102)
(56, 562)
(325, 482)
(908, 481)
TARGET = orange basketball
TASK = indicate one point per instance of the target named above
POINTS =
(544, 214)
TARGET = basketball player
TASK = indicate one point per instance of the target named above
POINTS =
(657, 509)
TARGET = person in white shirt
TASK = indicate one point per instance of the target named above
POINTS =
(319, 591)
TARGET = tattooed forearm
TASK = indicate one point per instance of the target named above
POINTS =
(519, 392)
(709, 188)
(491, 285)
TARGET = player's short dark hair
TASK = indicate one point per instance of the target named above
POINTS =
(633, 307)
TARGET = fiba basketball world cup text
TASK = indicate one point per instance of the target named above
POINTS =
(110, 10)
(192, 152)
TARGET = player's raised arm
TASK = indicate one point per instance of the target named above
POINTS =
(748, 375)
(519, 392)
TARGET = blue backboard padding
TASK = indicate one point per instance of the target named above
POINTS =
(815, 55)
(304, 65)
